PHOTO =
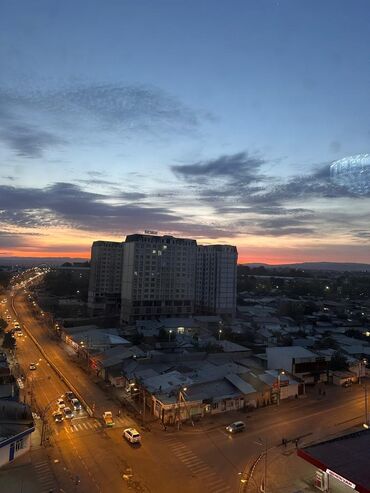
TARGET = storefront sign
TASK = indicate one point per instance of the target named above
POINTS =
(341, 479)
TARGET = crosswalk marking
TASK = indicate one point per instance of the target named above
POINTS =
(197, 466)
(184, 454)
(44, 476)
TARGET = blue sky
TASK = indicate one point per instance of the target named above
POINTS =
(211, 119)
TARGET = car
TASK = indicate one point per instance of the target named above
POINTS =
(33, 366)
(58, 416)
(76, 404)
(132, 435)
(108, 418)
(61, 403)
(18, 333)
(70, 396)
(236, 427)
(68, 413)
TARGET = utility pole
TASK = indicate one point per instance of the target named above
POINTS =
(143, 406)
(265, 474)
(366, 424)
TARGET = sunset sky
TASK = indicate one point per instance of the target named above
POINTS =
(211, 119)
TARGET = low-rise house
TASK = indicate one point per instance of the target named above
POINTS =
(16, 426)
(310, 367)
(283, 385)
(108, 364)
(87, 342)
(190, 388)
(344, 378)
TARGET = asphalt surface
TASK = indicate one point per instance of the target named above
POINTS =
(85, 456)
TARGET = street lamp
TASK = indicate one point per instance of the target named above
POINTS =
(281, 372)
(169, 335)
(181, 398)
(366, 424)
(219, 334)
(263, 487)
(361, 365)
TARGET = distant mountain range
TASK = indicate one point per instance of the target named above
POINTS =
(32, 261)
(336, 266)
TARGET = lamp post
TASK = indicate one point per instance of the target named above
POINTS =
(281, 372)
(169, 335)
(133, 386)
(180, 399)
(87, 352)
(263, 487)
(361, 365)
(219, 334)
(366, 423)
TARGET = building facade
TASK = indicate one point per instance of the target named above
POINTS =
(216, 280)
(105, 276)
(158, 277)
(149, 276)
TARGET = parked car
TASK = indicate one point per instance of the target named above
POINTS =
(58, 416)
(61, 403)
(33, 366)
(132, 435)
(70, 396)
(76, 404)
(236, 427)
(68, 413)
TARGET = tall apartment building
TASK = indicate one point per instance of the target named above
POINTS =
(105, 277)
(216, 280)
(150, 276)
(158, 277)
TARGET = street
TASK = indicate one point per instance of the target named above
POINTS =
(86, 456)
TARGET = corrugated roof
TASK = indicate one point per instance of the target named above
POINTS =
(244, 387)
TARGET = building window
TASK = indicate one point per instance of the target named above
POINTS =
(19, 444)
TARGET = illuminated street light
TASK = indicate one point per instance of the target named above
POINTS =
(366, 423)
(281, 372)
(361, 365)
(219, 334)
(169, 335)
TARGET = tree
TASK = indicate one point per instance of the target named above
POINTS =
(3, 324)
(8, 341)
(338, 362)
(326, 342)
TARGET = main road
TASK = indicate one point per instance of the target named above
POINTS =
(193, 460)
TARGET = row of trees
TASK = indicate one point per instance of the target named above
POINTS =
(8, 339)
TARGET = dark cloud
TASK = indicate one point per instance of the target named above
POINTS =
(11, 239)
(28, 141)
(106, 107)
(66, 204)
(362, 234)
(244, 185)
(265, 210)
(289, 231)
(230, 167)
(97, 181)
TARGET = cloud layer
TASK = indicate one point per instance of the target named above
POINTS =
(34, 122)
